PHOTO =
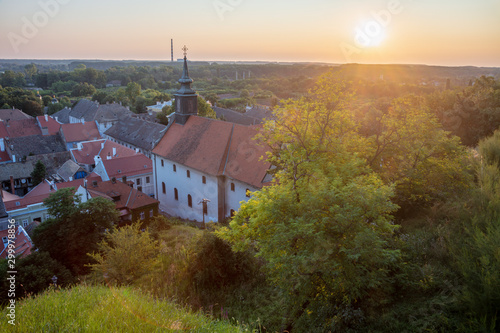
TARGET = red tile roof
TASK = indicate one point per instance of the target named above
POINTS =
(22, 243)
(4, 156)
(128, 166)
(80, 132)
(125, 197)
(39, 193)
(51, 124)
(86, 154)
(216, 148)
(24, 127)
(3, 130)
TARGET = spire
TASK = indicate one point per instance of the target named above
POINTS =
(185, 80)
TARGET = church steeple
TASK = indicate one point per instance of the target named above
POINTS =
(186, 99)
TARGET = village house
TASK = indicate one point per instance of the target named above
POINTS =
(90, 153)
(104, 115)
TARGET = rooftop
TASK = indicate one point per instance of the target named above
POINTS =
(128, 166)
(137, 132)
(35, 145)
(80, 132)
(51, 124)
(62, 116)
(23, 127)
(217, 148)
(88, 150)
(68, 170)
(235, 117)
(23, 243)
(13, 114)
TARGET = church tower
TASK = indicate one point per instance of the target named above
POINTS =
(186, 99)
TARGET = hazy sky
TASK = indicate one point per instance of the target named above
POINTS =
(443, 32)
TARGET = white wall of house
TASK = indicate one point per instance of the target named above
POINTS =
(101, 171)
(185, 186)
(144, 183)
(26, 215)
(233, 198)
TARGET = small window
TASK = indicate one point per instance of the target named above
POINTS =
(138, 181)
(175, 168)
(188, 173)
(247, 193)
(232, 187)
(204, 179)
(151, 213)
(139, 188)
(163, 188)
(143, 216)
(148, 180)
(176, 194)
(190, 201)
(25, 222)
(162, 163)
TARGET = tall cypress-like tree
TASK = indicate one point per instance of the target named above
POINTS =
(38, 173)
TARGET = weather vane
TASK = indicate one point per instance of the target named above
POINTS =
(185, 49)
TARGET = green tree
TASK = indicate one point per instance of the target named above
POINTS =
(324, 227)
(132, 91)
(83, 89)
(39, 173)
(205, 110)
(30, 71)
(126, 255)
(74, 228)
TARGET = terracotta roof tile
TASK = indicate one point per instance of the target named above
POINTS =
(128, 166)
(24, 127)
(123, 195)
(80, 132)
(23, 243)
(51, 124)
(90, 149)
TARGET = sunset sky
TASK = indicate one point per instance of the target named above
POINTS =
(434, 32)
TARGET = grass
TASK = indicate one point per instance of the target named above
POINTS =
(102, 309)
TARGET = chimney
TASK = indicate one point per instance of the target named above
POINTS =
(70, 179)
(114, 151)
(57, 119)
(46, 117)
(102, 145)
(124, 179)
(45, 131)
(14, 158)
(113, 180)
(12, 188)
(80, 146)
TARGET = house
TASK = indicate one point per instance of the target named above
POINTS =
(71, 170)
(75, 133)
(137, 168)
(48, 125)
(105, 115)
(19, 148)
(133, 205)
(88, 154)
(235, 117)
(137, 134)
(13, 114)
(30, 208)
(62, 116)
(22, 243)
(205, 160)
(158, 107)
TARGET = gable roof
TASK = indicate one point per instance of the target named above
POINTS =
(216, 148)
(13, 114)
(23, 127)
(124, 195)
(36, 145)
(16, 170)
(52, 125)
(23, 243)
(88, 150)
(128, 166)
(84, 109)
(137, 132)
(3, 130)
(68, 170)
(93, 111)
(80, 132)
(235, 117)
(62, 116)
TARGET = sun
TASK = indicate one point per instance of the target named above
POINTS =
(369, 34)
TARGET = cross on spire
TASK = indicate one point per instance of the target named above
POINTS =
(185, 49)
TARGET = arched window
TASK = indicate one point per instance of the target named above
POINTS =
(163, 188)
(232, 187)
(188, 173)
(175, 168)
(248, 193)
(204, 179)
(176, 194)
(190, 200)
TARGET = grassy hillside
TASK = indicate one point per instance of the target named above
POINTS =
(102, 309)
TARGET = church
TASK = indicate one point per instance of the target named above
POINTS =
(203, 168)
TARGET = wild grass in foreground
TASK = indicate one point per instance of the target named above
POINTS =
(102, 309)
